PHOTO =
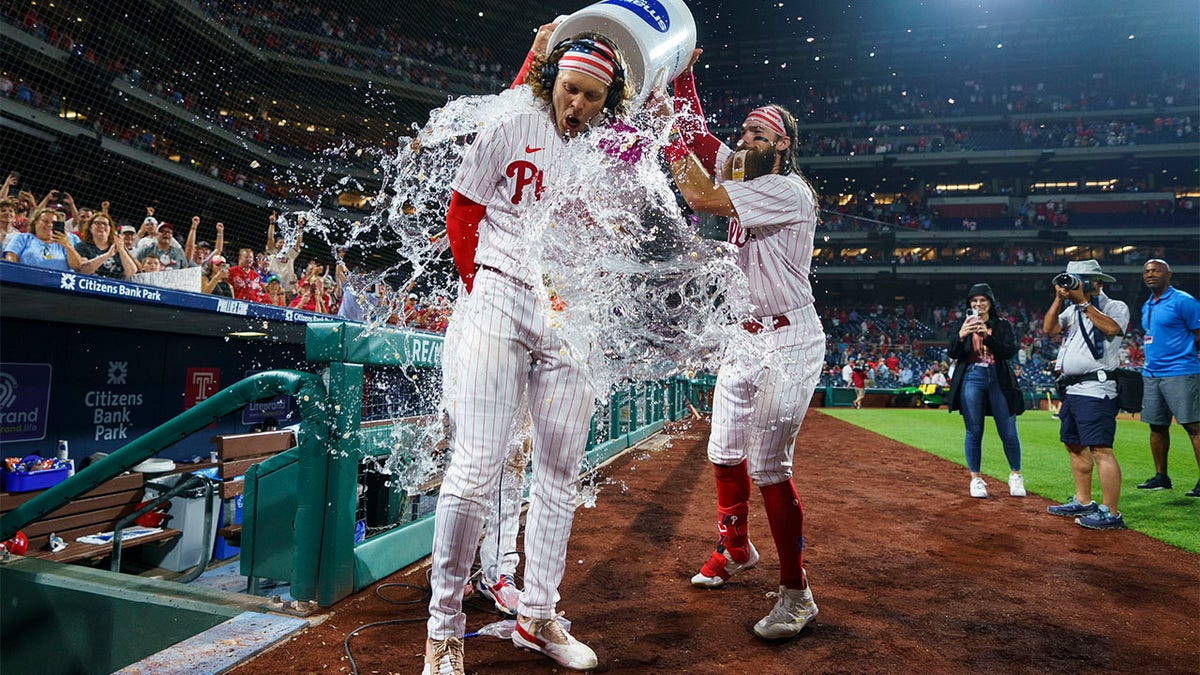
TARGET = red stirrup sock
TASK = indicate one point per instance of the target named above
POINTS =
(786, 518)
(733, 507)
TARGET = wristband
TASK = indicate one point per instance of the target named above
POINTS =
(675, 149)
(1083, 305)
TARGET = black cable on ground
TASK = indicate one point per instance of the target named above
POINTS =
(426, 594)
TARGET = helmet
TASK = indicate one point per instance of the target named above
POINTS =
(156, 517)
(18, 544)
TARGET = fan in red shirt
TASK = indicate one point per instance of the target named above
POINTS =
(247, 285)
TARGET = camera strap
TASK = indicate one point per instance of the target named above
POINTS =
(1097, 350)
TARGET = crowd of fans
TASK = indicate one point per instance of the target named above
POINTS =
(855, 102)
(54, 233)
(885, 138)
(160, 144)
(348, 41)
(864, 211)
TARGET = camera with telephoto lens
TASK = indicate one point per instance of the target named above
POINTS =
(1068, 281)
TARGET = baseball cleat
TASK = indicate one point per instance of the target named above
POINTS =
(443, 657)
(720, 566)
(503, 593)
(548, 637)
(794, 609)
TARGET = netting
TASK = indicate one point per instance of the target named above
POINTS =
(230, 111)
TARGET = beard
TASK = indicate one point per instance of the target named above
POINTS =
(757, 163)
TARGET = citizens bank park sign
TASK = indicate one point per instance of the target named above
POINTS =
(82, 284)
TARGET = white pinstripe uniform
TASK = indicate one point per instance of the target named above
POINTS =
(504, 347)
(502, 518)
(759, 402)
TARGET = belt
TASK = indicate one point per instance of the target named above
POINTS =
(1094, 376)
(506, 275)
(752, 326)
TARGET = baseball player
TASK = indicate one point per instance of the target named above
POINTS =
(760, 400)
(498, 555)
(504, 346)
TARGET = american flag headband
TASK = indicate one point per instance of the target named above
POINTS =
(590, 58)
(768, 118)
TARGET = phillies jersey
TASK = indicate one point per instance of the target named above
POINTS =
(506, 169)
(773, 230)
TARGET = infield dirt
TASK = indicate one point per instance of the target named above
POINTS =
(908, 571)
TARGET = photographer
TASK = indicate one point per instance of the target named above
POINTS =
(984, 384)
(1092, 325)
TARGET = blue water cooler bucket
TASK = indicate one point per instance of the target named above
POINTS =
(656, 37)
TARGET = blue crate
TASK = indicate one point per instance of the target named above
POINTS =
(38, 480)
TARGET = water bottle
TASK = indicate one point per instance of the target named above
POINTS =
(64, 450)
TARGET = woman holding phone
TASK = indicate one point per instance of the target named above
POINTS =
(45, 245)
(984, 384)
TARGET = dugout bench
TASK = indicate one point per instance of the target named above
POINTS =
(101, 509)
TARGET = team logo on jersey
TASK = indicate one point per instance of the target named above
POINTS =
(525, 173)
(737, 234)
(529, 150)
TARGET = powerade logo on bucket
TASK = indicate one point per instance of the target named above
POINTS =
(650, 11)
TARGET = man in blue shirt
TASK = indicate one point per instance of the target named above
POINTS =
(1171, 375)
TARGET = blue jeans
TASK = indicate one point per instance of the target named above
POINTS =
(980, 388)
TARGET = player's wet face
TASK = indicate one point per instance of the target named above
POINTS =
(577, 98)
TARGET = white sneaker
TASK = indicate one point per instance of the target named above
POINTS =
(443, 657)
(978, 488)
(794, 609)
(550, 638)
(1016, 485)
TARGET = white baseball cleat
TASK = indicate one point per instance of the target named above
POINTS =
(550, 638)
(503, 593)
(720, 566)
(794, 609)
(443, 657)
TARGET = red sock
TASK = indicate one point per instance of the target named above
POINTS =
(733, 507)
(786, 518)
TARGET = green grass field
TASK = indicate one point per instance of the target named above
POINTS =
(1166, 515)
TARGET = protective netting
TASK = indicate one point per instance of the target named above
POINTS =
(232, 110)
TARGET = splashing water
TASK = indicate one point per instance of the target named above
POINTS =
(632, 288)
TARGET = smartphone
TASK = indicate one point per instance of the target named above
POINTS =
(60, 226)
(971, 313)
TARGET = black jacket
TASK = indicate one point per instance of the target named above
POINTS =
(1003, 345)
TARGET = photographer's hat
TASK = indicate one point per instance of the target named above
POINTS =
(1087, 269)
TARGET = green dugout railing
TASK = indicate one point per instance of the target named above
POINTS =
(300, 506)
(309, 393)
(633, 413)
